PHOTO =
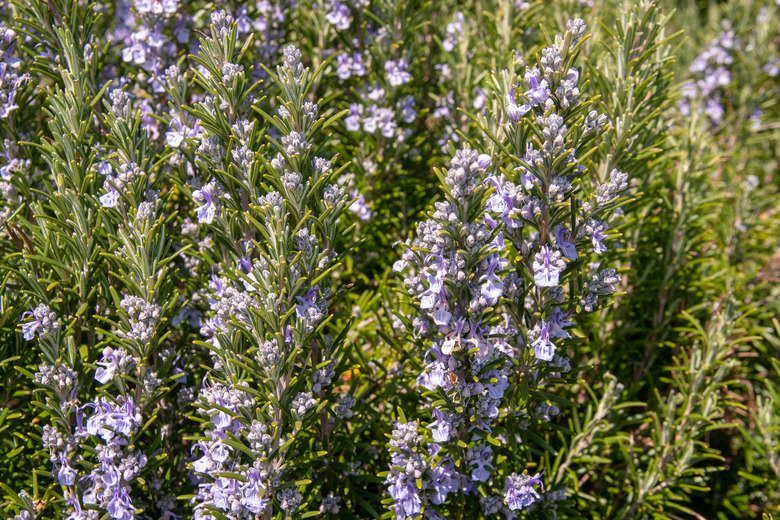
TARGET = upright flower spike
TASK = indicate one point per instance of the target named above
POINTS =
(468, 270)
(273, 302)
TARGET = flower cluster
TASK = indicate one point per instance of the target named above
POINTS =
(411, 464)
(11, 80)
(487, 275)
(711, 72)
(270, 305)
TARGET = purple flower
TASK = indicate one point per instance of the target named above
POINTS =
(496, 390)
(29, 328)
(339, 16)
(567, 248)
(66, 475)
(251, 493)
(430, 297)
(347, 65)
(305, 302)
(544, 349)
(120, 507)
(353, 117)
(108, 366)
(481, 473)
(205, 196)
(407, 499)
(244, 266)
(538, 93)
(110, 476)
(498, 241)
(519, 493)
(385, 120)
(396, 72)
(444, 480)
(557, 322)
(493, 287)
(343, 66)
(499, 202)
(441, 316)
(454, 29)
(547, 267)
(156, 6)
(139, 49)
(514, 112)
(111, 197)
(598, 237)
(44, 322)
(358, 68)
(405, 108)
(110, 419)
(176, 137)
(359, 206)
(454, 337)
(406, 257)
(243, 22)
(441, 427)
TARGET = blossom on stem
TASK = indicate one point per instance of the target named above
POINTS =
(547, 267)
(519, 492)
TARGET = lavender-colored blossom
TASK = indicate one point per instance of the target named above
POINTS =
(513, 111)
(111, 197)
(339, 15)
(557, 323)
(10, 79)
(112, 361)
(359, 206)
(120, 507)
(500, 202)
(163, 7)
(305, 302)
(483, 466)
(110, 419)
(407, 499)
(396, 72)
(353, 117)
(205, 196)
(44, 322)
(492, 286)
(243, 22)
(544, 348)
(568, 249)
(406, 257)
(66, 475)
(538, 92)
(547, 267)
(406, 109)
(598, 237)
(441, 427)
(453, 31)
(519, 492)
(347, 66)
(343, 66)
(772, 67)
(250, 490)
(180, 132)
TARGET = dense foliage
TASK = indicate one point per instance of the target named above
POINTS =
(389, 259)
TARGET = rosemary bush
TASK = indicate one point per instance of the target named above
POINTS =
(384, 259)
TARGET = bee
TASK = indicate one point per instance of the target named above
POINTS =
(452, 377)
